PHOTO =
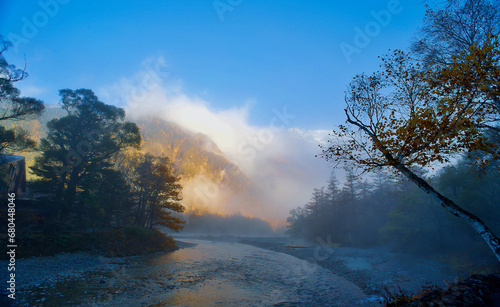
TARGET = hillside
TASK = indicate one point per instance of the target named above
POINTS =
(192, 154)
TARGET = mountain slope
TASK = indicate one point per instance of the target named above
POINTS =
(192, 154)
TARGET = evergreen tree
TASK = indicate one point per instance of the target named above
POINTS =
(158, 194)
(79, 148)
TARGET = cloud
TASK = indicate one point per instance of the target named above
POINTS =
(279, 158)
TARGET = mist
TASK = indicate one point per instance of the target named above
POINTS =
(278, 158)
(233, 225)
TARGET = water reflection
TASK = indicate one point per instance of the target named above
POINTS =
(215, 273)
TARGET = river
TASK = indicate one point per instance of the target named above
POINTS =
(210, 274)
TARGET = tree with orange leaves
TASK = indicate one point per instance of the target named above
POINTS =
(410, 115)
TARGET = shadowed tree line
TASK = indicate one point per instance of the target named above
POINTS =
(90, 171)
(388, 210)
(234, 225)
(347, 215)
(88, 178)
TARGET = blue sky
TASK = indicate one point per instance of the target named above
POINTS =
(273, 53)
(264, 79)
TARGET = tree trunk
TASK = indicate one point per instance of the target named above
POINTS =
(139, 219)
(60, 188)
(151, 217)
(71, 188)
(476, 223)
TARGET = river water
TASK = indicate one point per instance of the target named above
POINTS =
(211, 274)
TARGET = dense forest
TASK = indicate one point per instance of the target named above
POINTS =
(78, 181)
(389, 210)
(89, 172)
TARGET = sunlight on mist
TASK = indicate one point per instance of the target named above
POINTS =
(278, 158)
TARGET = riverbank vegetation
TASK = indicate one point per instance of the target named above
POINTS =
(385, 210)
(121, 242)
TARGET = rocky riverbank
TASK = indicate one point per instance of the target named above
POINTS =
(37, 274)
(373, 270)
